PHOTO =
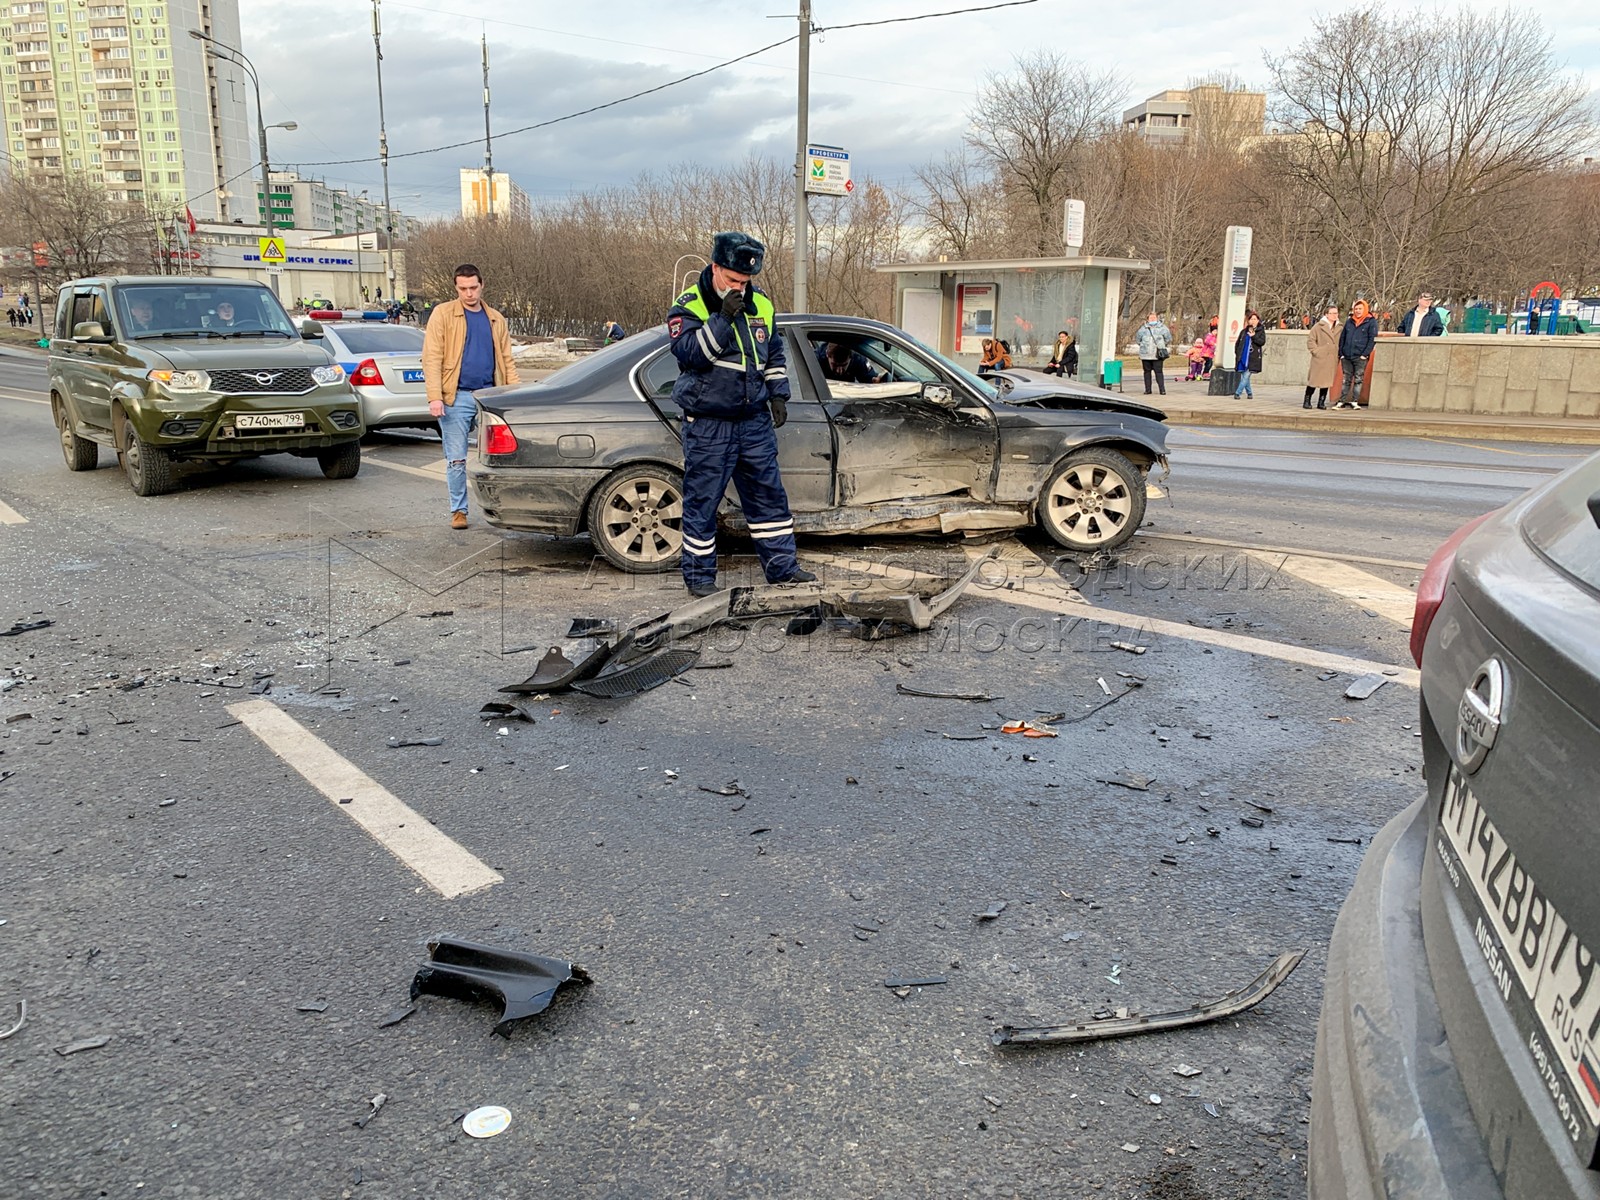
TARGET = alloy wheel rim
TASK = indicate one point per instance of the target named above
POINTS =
(1090, 503)
(643, 521)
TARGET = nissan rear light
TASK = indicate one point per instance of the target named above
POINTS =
(1430, 589)
(367, 374)
(497, 435)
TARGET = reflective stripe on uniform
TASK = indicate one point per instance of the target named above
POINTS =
(768, 534)
(785, 523)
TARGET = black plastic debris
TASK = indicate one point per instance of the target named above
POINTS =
(618, 679)
(397, 743)
(1095, 1029)
(19, 627)
(312, 1006)
(995, 908)
(591, 627)
(93, 1043)
(911, 981)
(376, 1103)
(556, 670)
(398, 1015)
(523, 984)
(903, 690)
(1363, 687)
(494, 710)
(1127, 779)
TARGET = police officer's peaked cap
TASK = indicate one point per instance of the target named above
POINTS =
(739, 252)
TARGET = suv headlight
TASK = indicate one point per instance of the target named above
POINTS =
(332, 373)
(182, 381)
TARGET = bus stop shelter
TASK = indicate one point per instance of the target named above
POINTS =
(953, 306)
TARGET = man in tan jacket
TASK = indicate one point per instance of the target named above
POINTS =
(467, 347)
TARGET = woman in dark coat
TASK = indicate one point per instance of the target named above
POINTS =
(1247, 349)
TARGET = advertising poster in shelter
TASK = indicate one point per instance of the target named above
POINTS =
(976, 304)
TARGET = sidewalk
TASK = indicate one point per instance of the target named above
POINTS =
(1278, 406)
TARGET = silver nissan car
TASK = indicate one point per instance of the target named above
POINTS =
(1457, 1052)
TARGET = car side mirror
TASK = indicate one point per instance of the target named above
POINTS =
(90, 331)
(940, 394)
(311, 330)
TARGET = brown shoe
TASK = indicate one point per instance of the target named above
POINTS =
(458, 520)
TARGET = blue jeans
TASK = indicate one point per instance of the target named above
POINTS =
(1244, 388)
(455, 430)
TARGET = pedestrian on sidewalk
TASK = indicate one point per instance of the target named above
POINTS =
(995, 357)
(467, 347)
(1247, 349)
(1356, 339)
(1423, 320)
(1322, 343)
(733, 391)
(1210, 345)
(1155, 343)
(1064, 358)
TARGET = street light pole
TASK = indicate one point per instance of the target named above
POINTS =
(383, 148)
(235, 55)
(802, 216)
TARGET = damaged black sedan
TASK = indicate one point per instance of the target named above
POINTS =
(925, 446)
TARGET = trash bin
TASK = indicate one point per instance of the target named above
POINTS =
(1111, 374)
(1223, 381)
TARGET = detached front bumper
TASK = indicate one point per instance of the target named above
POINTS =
(1389, 1116)
(534, 499)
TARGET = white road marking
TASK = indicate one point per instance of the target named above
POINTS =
(434, 473)
(10, 516)
(1027, 595)
(1401, 563)
(1351, 583)
(444, 865)
(25, 399)
(1018, 565)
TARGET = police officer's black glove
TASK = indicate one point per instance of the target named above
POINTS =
(780, 411)
(732, 305)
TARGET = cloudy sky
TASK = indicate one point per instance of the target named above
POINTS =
(893, 95)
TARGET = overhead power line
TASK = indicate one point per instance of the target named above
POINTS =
(954, 12)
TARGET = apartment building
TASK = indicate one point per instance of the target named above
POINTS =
(122, 93)
(301, 203)
(1169, 116)
(501, 198)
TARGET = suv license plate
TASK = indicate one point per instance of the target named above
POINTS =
(270, 420)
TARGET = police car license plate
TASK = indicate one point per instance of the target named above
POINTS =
(1544, 973)
(410, 376)
(291, 420)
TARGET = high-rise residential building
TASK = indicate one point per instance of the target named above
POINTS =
(301, 203)
(502, 198)
(1171, 115)
(123, 94)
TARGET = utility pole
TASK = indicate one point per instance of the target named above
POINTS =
(488, 145)
(802, 215)
(383, 149)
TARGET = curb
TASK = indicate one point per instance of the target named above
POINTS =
(1565, 433)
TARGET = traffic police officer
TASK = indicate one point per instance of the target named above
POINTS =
(733, 390)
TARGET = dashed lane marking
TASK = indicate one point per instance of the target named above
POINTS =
(10, 516)
(443, 864)
(1350, 583)
(1026, 594)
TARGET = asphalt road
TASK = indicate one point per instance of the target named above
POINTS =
(171, 882)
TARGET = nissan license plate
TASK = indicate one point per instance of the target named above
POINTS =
(292, 420)
(411, 376)
(1544, 973)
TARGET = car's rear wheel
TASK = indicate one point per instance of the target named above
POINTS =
(636, 518)
(81, 454)
(150, 469)
(341, 462)
(1094, 501)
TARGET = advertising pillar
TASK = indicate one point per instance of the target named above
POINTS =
(1231, 306)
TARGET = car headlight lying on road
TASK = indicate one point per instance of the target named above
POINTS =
(183, 381)
(332, 373)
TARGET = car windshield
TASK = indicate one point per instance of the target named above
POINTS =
(199, 309)
(380, 339)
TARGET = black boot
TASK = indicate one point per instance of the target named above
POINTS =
(1322, 403)
(1307, 404)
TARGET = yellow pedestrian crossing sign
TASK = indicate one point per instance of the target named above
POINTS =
(272, 250)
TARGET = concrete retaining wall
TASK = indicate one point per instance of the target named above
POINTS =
(1488, 373)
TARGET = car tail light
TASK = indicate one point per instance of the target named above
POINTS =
(497, 436)
(367, 374)
(1430, 589)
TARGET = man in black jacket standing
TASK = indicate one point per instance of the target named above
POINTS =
(1356, 340)
(1423, 320)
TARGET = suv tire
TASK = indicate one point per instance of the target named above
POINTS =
(81, 454)
(341, 462)
(150, 469)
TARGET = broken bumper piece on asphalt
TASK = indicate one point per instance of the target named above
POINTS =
(524, 984)
(646, 655)
(1095, 1030)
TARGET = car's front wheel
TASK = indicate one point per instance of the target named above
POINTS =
(341, 462)
(1094, 501)
(636, 518)
(81, 454)
(150, 469)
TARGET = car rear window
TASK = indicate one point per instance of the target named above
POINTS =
(1561, 527)
(380, 339)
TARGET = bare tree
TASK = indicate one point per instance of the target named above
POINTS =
(956, 205)
(83, 232)
(1034, 127)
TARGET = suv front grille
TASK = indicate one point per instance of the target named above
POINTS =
(285, 381)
